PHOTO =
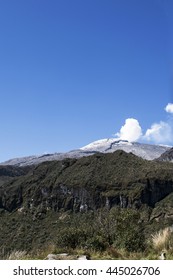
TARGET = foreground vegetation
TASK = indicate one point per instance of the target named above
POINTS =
(103, 234)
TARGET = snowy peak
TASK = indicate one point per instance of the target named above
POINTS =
(104, 144)
(109, 145)
(146, 151)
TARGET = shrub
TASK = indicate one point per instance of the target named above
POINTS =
(71, 237)
(129, 231)
(161, 239)
(96, 243)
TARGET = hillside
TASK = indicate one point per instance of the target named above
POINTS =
(36, 206)
(10, 172)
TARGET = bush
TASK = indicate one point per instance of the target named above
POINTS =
(96, 243)
(71, 238)
(129, 231)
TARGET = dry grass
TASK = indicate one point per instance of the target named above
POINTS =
(17, 255)
(161, 240)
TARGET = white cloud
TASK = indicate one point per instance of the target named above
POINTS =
(159, 133)
(169, 108)
(130, 131)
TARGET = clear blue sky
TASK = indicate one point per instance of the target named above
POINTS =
(72, 71)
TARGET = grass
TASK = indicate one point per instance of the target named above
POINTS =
(53, 235)
(17, 255)
(161, 240)
(110, 253)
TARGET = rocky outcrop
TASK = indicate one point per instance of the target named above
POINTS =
(101, 180)
(167, 156)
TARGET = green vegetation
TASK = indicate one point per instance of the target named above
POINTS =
(110, 206)
(110, 234)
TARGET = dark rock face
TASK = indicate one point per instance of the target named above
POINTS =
(167, 156)
(163, 209)
(101, 180)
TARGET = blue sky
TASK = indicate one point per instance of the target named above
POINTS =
(72, 72)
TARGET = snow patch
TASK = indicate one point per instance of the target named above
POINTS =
(105, 144)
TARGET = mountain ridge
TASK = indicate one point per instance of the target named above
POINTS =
(109, 145)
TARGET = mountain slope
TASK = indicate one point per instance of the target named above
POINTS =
(114, 179)
(167, 156)
(145, 151)
(8, 173)
(111, 145)
(36, 208)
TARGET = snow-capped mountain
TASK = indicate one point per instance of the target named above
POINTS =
(146, 151)
(105, 144)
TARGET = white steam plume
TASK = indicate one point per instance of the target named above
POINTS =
(130, 131)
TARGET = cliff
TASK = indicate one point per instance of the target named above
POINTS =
(36, 200)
